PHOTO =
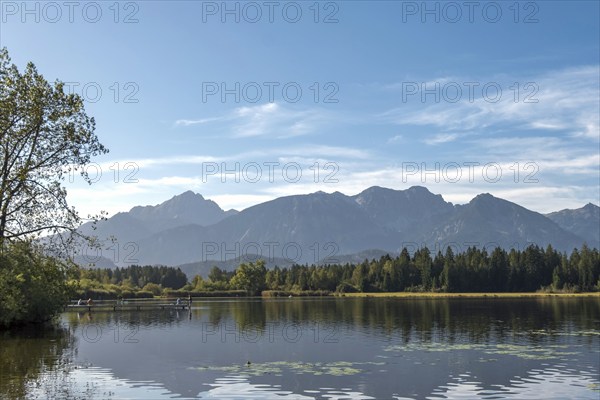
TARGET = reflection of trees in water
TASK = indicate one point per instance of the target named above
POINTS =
(468, 319)
(461, 332)
(29, 358)
(445, 321)
(27, 354)
(475, 319)
(155, 318)
(426, 319)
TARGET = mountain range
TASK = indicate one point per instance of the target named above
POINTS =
(324, 228)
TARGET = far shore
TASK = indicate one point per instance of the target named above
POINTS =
(323, 294)
(472, 295)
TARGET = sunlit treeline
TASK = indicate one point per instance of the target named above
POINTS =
(132, 281)
(474, 270)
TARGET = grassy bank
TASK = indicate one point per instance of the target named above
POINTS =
(469, 295)
(170, 294)
(295, 293)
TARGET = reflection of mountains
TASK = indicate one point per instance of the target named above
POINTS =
(423, 342)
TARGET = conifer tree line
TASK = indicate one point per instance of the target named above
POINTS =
(474, 270)
(136, 276)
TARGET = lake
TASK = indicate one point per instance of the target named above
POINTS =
(315, 348)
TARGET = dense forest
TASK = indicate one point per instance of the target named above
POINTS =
(133, 281)
(474, 270)
(137, 276)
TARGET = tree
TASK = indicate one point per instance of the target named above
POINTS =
(173, 278)
(33, 287)
(250, 277)
(557, 282)
(217, 274)
(389, 276)
(423, 264)
(154, 288)
(498, 272)
(360, 277)
(448, 276)
(45, 134)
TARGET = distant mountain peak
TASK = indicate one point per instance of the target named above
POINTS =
(418, 188)
(584, 221)
(487, 199)
(173, 232)
(188, 194)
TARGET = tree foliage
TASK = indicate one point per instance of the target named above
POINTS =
(33, 287)
(250, 277)
(471, 271)
(44, 134)
(136, 276)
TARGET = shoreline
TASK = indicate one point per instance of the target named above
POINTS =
(409, 295)
(468, 295)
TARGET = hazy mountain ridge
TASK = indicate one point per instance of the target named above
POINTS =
(184, 209)
(583, 222)
(308, 228)
(492, 222)
(140, 222)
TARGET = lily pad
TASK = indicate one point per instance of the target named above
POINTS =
(338, 368)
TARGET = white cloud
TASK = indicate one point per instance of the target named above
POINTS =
(269, 119)
(540, 195)
(566, 99)
(565, 119)
(442, 138)
(189, 122)
(395, 139)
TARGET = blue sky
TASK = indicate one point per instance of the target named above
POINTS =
(463, 98)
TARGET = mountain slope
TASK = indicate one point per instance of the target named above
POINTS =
(122, 226)
(411, 211)
(312, 227)
(302, 228)
(584, 222)
(489, 221)
(184, 209)
(143, 221)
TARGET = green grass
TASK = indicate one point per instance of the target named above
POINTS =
(473, 295)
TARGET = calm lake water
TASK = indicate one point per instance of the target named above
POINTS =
(334, 348)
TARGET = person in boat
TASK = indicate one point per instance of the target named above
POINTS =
(79, 302)
(90, 301)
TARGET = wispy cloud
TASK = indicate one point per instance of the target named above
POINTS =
(189, 122)
(270, 119)
(441, 138)
(395, 139)
(553, 135)
(559, 100)
(305, 151)
(534, 188)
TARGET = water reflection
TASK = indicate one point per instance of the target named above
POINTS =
(29, 355)
(320, 348)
